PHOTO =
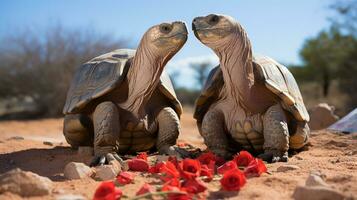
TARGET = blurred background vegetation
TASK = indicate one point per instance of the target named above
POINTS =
(36, 69)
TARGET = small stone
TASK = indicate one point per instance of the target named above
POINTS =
(48, 143)
(284, 168)
(106, 172)
(316, 193)
(16, 138)
(74, 170)
(315, 180)
(70, 197)
(85, 151)
(24, 183)
(322, 116)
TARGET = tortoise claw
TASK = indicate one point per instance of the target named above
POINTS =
(105, 159)
(272, 157)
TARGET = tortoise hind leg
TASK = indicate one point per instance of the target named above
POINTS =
(78, 130)
(106, 133)
(276, 135)
(301, 136)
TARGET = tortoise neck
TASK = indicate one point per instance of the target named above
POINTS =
(143, 78)
(237, 67)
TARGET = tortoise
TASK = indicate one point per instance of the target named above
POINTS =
(123, 102)
(248, 102)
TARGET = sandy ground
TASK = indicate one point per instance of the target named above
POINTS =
(333, 155)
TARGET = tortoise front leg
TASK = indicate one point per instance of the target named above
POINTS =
(276, 135)
(214, 135)
(106, 133)
(169, 129)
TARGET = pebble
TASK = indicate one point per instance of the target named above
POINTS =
(48, 143)
(16, 138)
(74, 170)
(316, 193)
(85, 151)
(107, 172)
(25, 183)
(285, 168)
(315, 180)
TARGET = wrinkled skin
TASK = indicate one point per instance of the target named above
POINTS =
(246, 110)
(144, 119)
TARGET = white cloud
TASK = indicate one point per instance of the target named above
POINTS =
(186, 74)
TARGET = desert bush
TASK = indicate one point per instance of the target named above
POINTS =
(41, 65)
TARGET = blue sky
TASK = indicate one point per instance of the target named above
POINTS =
(277, 28)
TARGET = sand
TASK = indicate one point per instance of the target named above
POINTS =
(334, 155)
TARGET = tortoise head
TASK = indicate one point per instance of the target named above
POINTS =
(215, 30)
(167, 38)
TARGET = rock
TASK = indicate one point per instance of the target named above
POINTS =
(48, 143)
(315, 180)
(85, 151)
(284, 168)
(24, 183)
(107, 172)
(74, 170)
(316, 193)
(322, 116)
(70, 197)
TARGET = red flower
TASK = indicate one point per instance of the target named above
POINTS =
(142, 155)
(233, 180)
(156, 168)
(174, 196)
(206, 158)
(255, 168)
(125, 177)
(107, 191)
(193, 186)
(146, 188)
(173, 160)
(226, 167)
(137, 164)
(175, 182)
(190, 168)
(170, 171)
(207, 171)
(243, 158)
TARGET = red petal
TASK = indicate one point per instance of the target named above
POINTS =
(142, 155)
(226, 167)
(107, 191)
(170, 171)
(146, 188)
(255, 168)
(206, 171)
(206, 158)
(137, 164)
(243, 158)
(233, 180)
(156, 168)
(125, 177)
(189, 168)
(193, 186)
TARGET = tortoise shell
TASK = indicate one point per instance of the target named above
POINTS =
(103, 74)
(276, 77)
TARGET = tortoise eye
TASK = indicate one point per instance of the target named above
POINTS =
(213, 19)
(165, 28)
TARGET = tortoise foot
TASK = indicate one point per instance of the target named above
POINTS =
(274, 156)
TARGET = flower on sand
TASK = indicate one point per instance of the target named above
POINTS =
(193, 186)
(233, 180)
(227, 166)
(142, 155)
(206, 158)
(137, 164)
(125, 177)
(107, 191)
(169, 171)
(255, 168)
(243, 158)
(189, 168)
